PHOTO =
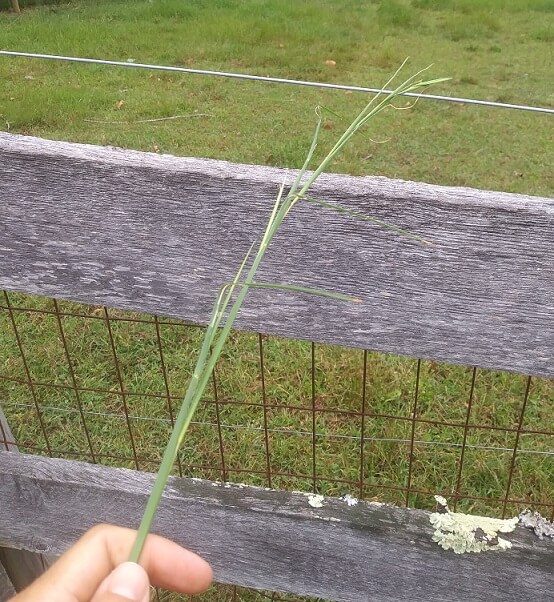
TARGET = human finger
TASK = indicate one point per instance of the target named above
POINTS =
(129, 581)
(79, 572)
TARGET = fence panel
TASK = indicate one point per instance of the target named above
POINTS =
(160, 234)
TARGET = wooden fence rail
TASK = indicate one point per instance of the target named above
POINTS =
(270, 539)
(161, 234)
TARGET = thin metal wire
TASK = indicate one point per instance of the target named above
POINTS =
(121, 387)
(516, 444)
(29, 383)
(362, 426)
(74, 381)
(280, 431)
(100, 316)
(314, 423)
(456, 494)
(411, 455)
(345, 413)
(274, 80)
(219, 429)
(265, 409)
(166, 383)
(4, 437)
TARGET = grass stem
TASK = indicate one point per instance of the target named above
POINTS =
(222, 318)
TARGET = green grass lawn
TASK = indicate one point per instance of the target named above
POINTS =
(493, 50)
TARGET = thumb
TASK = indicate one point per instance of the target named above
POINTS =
(127, 583)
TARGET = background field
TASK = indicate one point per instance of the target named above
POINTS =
(493, 49)
(296, 423)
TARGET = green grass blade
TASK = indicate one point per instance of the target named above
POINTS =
(303, 289)
(272, 217)
(364, 217)
(230, 287)
(182, 419)
(370, 111)
(310, 154)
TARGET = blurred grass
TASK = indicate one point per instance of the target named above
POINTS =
(494, 49)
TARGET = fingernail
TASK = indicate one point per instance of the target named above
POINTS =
(130, 581)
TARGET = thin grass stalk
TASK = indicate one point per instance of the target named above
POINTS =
(364, 217)
(293, 288)
(222, 319)
(198, 382)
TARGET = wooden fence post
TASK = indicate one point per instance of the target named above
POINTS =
(18, 568)
(6, 586)
(15, 6)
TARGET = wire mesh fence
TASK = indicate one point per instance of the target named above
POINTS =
(103, 386)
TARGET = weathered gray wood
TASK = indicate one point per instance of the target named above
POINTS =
(269, 539)
(7, 440)
(6, 586)
(20, 566)
(161, 234)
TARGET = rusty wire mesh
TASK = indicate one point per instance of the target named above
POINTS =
(101, 385)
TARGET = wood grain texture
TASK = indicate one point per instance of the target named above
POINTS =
(20, 566)
(270, 539)
(160, 234)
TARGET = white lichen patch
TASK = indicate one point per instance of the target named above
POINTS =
(228, 485)
(315, 501)
(537, 523)
(463, 533)
(350, 500)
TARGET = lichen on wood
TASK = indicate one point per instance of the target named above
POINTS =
(537, 523)
(463, 533)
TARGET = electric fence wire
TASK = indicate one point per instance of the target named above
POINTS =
(275, 80)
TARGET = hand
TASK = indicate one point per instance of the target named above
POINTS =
(95, 570)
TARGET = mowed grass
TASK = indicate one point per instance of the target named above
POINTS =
(493, 50)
